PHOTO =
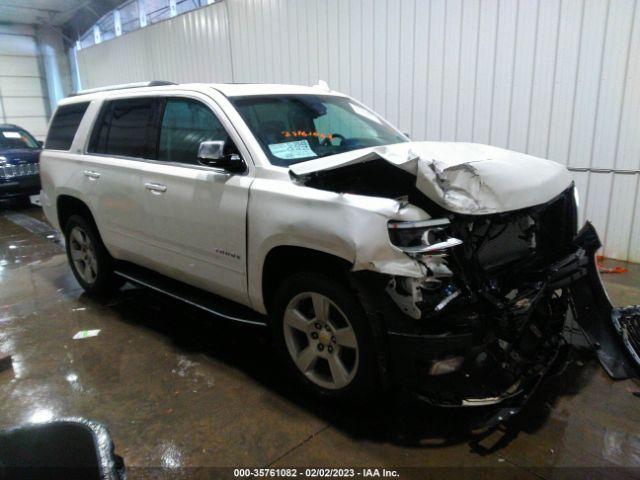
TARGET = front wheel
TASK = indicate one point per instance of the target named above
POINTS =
(324, 337)
(89, 260)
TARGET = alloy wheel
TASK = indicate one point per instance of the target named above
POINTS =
(321, 340)
(83, 255)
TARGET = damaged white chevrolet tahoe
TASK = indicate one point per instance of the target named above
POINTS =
(444, 268)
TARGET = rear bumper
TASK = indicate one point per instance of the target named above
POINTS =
(510, 382)
(20, 186)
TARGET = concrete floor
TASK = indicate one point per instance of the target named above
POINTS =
(180, 391)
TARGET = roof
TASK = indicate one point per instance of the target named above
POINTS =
(242, 89)
(227, 89)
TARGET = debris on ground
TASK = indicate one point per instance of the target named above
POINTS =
(603, 269)
(86, 334)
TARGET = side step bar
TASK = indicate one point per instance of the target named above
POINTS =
(193, 296)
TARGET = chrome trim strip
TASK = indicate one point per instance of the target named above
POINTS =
(433, 222)
(604, 170)
(436, 247)
(478, 402)
(194, 304)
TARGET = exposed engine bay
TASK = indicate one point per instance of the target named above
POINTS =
(484, 324)
(501, 283)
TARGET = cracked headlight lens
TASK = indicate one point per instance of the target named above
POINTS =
(417, 236)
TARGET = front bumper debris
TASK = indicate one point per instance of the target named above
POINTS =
(614, 333)
(611, 331)
(627, 323)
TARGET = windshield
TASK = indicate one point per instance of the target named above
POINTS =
(16, 138)
(296, 128)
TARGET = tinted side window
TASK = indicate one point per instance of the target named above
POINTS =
(64, 126)
(185, 124)
(126, 128)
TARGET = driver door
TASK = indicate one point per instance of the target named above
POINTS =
(197, 213)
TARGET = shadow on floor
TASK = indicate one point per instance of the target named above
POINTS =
(396, 418)
(16, 204)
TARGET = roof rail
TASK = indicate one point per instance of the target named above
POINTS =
(122, 86)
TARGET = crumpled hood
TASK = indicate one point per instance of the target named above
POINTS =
(465, 178)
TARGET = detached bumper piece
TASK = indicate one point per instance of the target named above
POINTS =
(612, 332)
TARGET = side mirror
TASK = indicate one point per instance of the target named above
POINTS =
(41, 143)
(211, 154)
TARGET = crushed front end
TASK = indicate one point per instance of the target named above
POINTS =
(485, 324)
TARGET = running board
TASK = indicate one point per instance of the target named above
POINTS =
(193, 296)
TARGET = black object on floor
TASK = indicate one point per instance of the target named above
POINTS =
(68, 448)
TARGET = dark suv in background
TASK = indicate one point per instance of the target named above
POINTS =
(19, 162)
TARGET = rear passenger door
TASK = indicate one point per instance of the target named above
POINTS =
(197, 213)
(122, 142)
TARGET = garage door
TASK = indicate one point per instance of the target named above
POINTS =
(22, 88)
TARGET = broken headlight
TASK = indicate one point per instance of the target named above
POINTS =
(422, 236)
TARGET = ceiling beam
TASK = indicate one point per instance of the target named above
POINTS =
(32, 9)
(63, 16)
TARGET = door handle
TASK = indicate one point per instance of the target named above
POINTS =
(155, 187)
(91, 174)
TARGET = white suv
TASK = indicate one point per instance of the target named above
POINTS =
(446, 268)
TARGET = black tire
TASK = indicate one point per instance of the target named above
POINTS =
(105, 280)
(365, 376)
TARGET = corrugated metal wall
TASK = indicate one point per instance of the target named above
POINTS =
(22, 87)
(555, 78)
(194, 47)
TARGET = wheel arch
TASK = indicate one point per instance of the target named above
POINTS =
(284, 260)
(69, 205)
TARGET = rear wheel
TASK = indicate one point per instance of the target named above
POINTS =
(323, 335)
(89, 260)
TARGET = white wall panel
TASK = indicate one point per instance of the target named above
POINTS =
(22, 95)
(634, 244)
(628, 142)
(555, 78)
(21, 86)
(21, 67)
(544, 75)
(19, 45)
(23, 106)
(486, 68)
(618, 233)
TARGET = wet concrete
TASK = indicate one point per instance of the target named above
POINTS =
(181, 392)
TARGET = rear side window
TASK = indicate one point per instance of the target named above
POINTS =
(64, 126)
(126, 128)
